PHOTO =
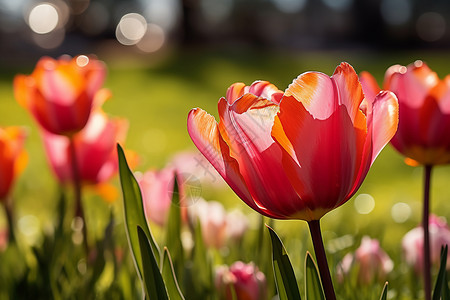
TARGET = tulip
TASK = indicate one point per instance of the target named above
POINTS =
(371, 261)
(95, 146)
(412, 244)
(247, 281)
(157, 190)
(213, 221)
(301, 153)
(13, 159)
(423, 129)
(60, 93)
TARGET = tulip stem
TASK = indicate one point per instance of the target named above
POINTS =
(321, 257)
(426, 233)
(7, 204)
(79, 212)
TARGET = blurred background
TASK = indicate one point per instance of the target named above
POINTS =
(165, 57)
(30, 28)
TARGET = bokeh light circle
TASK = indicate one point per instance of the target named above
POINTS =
(364, 204)
(131, 29)
(43, 18)
(401, 212)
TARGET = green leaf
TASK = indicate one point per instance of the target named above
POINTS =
(154, 286)
(384, 292)
(312, 280)
(199, 276)
(134, 211)
(173, 233)
(441, 287)
(284, 274)
(168, 274)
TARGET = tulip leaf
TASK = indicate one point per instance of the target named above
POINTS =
(173, 289)
(199, 273)
(134, 212)
(441, 287)
(154, 286)
(384, 292)
(173, 233)
(312, 280)
(283, 272)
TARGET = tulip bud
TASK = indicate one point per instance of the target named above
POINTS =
(412, 243)
(246, 280)
(370, 260)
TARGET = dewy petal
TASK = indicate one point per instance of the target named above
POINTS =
(204, 132)
(249, 121)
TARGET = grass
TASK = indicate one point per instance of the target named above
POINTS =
(156, 96)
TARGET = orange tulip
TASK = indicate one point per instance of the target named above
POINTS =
(95, 146)
(301, 153)
(424, 122)
(13, 158)
(60, 93)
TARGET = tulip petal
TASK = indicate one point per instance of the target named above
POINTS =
(322, 95)
(369, 85)
(204, 132)
(384, 121)
(323, 171)
(249, 121)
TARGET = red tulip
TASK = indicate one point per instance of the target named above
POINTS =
(301, 153)
(424, 120)
(249, 283)
(13, 158)
(95, 148)
(60, 93)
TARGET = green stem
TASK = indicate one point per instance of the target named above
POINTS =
(76, 180)
(426, 233)
(316, 236)
(7, 204)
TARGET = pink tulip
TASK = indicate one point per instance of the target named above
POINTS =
(369, 259)
(213, 221)
(60, 93)
(157, 191)
(248, 282)
(412, 244)
(192, 165)
(95, 146)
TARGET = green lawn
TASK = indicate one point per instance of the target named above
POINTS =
(156, 96)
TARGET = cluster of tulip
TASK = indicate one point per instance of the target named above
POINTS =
(297, 154)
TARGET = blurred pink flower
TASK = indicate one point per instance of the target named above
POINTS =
(412, 243)
(95, 148)
(193, 165)
(249, 283)
(218, 225)
(4, 239)
(369, 259)
(213, 221)
(157, 191)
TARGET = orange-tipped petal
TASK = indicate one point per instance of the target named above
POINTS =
(204, 132)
